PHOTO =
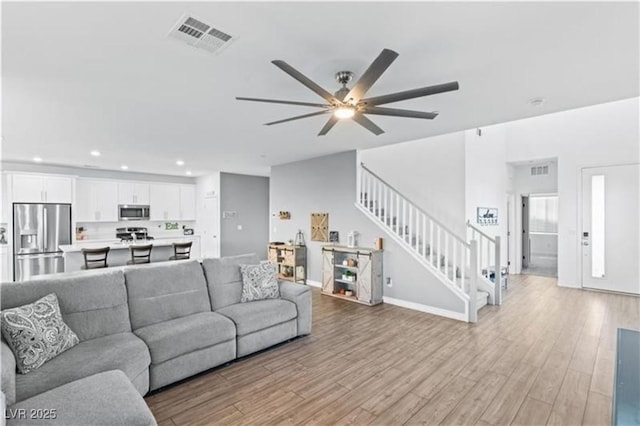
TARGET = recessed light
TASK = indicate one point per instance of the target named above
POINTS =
(95, 153)
(37, 159)
(188, 173)
(180, 162)
(124, 167)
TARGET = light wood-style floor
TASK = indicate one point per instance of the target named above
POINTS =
(545, 357)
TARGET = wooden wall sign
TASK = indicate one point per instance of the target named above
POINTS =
(320, 227)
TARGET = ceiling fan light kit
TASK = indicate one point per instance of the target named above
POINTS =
(343, 112)
(350, 103)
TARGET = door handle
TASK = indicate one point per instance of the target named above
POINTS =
(44, 224)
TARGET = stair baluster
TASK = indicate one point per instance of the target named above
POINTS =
(451, 258)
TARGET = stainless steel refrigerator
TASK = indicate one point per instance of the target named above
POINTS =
(38, 232)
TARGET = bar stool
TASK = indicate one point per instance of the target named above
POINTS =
(181, 251)
(95, 258)
(140, 254)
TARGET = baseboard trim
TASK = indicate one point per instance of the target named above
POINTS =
(559, 284)
(425, 308)
(314, 283)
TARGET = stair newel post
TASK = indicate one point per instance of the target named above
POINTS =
(498, 273)
(473, 281)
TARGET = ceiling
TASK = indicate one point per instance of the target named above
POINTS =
(83, 76)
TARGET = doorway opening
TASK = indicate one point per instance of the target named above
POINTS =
(534, 233)
(540, 234)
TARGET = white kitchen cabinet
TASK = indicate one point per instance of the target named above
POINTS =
(96, 201)
(164, 201)
(133, 193)
(187, 202)
(42, 189)
(58, 189)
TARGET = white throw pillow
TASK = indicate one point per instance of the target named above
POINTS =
(259, 282)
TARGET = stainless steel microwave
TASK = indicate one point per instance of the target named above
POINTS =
(133, 212)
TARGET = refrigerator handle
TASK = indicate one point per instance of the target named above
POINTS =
(44, 223)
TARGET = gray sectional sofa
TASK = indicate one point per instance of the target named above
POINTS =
(142, 328)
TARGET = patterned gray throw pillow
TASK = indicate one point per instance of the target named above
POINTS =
(259, 282)
(36, 332)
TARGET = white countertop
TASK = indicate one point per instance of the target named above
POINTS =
(118, 245)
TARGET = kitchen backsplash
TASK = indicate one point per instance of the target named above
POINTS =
(107, 231)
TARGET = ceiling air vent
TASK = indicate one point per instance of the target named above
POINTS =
(196, 33)
(539, 170)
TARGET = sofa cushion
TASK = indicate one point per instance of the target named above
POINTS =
(165, 291)
(301, 296)
(259, 282)
(93, 303)
(250, 317)
(123, 351)
(173, 338)
(224, 278)
(8, 379)
(101, 399)
(36, 332)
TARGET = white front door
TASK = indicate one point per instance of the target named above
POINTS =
(210, 246)
(611, 228)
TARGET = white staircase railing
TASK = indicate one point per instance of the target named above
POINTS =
(489, 262)
(452, 259)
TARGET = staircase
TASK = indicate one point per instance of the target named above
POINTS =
(457, 262)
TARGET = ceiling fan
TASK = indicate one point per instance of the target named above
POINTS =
(351, 103)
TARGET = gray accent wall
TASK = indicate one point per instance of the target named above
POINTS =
(328, 185)
(246, 200)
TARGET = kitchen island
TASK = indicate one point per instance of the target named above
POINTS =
(120, 254)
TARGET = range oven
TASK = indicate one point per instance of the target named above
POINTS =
(133, 212)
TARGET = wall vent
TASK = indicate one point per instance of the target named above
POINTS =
(539, 170)
(196, 33)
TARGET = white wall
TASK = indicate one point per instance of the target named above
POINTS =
(525, 184)
(487, 179)
(430, 172)
(599, 135)
(208, 187)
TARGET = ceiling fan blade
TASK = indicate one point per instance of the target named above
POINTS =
(367, 124)
(371, 75)
(410, 94)
(297, 117)
(399, 112)
(305, 80)
(332, 122)
(275, 101)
